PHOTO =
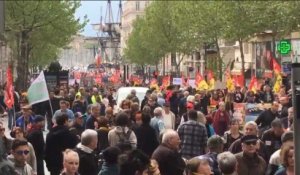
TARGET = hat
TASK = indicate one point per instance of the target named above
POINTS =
(215, 141)
(249, 138)
(189, 105)
(39, 118)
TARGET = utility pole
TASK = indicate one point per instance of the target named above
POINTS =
(296, 103)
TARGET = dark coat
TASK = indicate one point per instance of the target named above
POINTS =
(88, 163)
(146, 139)
(102, 138)
(90, 122)
(250, 165)
(169, 161)
(35, 137)
(58, 140)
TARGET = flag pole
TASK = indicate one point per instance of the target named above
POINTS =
(14, 117)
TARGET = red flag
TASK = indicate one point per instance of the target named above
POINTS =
(98, 58)
(198, 79)
(210, 75)
(98, 78)
(9, 92)
(276, 67)
(166, 81)
(238, 80)
(253, 84)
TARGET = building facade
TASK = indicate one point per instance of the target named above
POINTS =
(79, 53)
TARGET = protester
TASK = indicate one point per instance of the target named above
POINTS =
(233, 134)
(287, 156)
(167, 156)
(227, 163)
(63, 110)
(272, 137)
(193, 136)
(17, 133)
(91, 121)
(36, 138)
(168, 117)
(146, 136)
(20, 152)
(57, 140)
(86, 151)
(157, 122)
(198, 166)
(70, 162)
(249, 162)
(110, 165)
(121, 134)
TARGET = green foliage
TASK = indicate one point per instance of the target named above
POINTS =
(183, 27)
(39, 29)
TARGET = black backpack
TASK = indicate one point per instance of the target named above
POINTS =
(124, 138)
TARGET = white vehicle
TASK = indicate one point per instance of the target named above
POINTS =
(123, 92)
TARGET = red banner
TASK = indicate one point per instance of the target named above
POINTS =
(9, 92)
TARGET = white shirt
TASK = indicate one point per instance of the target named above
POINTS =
(169, 120)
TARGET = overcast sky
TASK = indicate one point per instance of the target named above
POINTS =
(92, 10)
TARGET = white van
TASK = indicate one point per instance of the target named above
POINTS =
(123, 92)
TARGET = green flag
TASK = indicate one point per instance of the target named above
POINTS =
(38, 91)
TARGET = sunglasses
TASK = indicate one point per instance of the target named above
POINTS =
(2, 129)
(251, 143)
(21, 152)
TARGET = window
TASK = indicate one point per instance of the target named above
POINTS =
(137, 5)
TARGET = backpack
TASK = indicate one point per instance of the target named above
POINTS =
(124, 138)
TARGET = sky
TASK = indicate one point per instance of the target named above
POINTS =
(93, 11)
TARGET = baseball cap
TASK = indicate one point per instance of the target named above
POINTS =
(39, 118)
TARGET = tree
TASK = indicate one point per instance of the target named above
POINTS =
(37, 30)
(241, 21)
(54, 67)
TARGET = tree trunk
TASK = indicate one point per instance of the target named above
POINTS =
(22, 63)
(219, 60)
(242, 58)
(164, 66)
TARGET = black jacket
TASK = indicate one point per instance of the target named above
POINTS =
(88, 162)
(146, 139)
(58, 140)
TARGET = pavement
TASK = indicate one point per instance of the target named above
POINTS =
(7, 133)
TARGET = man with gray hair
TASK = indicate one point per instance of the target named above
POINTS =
(227, 163)
(250, 128)
(157, 122)
(167, 156)
(87, 156)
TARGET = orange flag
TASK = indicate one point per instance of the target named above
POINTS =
(253, 84)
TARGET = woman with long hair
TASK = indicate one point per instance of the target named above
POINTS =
(287, 156)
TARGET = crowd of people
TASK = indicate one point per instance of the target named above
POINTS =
(171, 132)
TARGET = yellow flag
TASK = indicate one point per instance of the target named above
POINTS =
(202, 85)
(278, 83)
(211, 84)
